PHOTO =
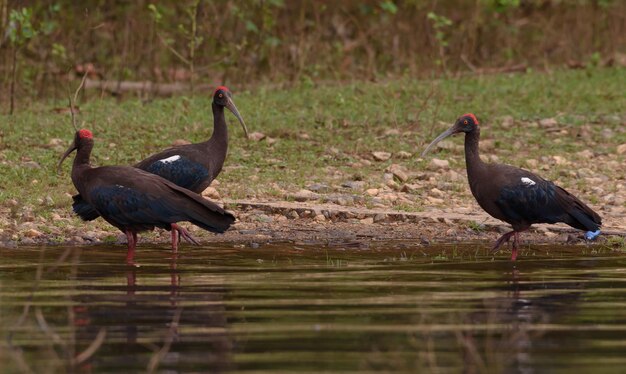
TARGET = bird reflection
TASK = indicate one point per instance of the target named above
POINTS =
(515, 323)
(151, 325)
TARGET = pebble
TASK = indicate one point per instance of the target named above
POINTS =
(380, 217)
(305, 195)
(211, 193)
(404, 155)
(293, 215)
(256, 136)
(367, 221)
(381, 156)
(586, 153)
(372, 191)
(399, 172)
(178, 142)
(354, 185)
(621, 149)
(31, 165)
(319, 187)
(548, 122)
(320, 218)
(410, 188)
(437, 164)
(434, 200)
(437, 192)
(32, 233)
(507, 122)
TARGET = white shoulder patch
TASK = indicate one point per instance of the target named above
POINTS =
(528, 181)
(169, 160)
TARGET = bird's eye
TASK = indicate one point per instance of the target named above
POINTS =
(221, 95)
(465, 122)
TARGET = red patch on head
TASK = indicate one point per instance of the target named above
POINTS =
(223, 88)
(472, 116)
(85, 134)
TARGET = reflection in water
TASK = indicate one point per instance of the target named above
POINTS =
(131, 326)
(298, 308)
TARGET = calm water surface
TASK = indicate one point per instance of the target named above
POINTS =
(288, 308)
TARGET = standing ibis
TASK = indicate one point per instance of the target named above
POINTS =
(192, 166)
(517, 196)
(134, 200)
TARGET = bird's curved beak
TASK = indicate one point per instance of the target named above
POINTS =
(230, 104)
(452, 130)
(67, 153)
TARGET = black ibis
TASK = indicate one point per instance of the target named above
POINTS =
(515, 195)
(134, 200)
(192, 166)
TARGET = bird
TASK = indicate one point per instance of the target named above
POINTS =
(134, 200)
(515, 195)
(191, 166)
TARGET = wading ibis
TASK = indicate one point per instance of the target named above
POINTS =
(517, 196)
(134, 200)
(192, 166)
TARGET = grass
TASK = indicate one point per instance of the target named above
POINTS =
(322, 131)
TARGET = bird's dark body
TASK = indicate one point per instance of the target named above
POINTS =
(508, 198)
(515, 195)
(134, 200)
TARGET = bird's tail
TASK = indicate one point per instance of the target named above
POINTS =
(205, 213)
(83, 209)
(578, 214)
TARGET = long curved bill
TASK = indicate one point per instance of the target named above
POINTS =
(67, 153)
(443, 135)
(231, 106)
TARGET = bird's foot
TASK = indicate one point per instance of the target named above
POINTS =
(501, 240)
(184, 234)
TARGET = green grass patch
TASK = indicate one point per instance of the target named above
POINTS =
(320, 131)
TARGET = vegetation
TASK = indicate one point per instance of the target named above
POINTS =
(244, 42)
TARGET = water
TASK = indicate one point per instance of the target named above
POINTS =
(392, 307)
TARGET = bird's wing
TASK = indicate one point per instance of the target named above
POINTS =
(178, 170)
(530, 199)
(84, 210)
(128, 206)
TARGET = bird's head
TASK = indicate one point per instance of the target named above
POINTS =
(82, 137)
(224, 98)
(466, 123)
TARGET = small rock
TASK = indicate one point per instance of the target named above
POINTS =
(507, 122)
(550, 234)
(404, 155)
(367, 221)
(411, 188)
(256, 136)
(393, 185)
(559, 160)
(292, 214)
(399, 172)
(32, 233)
(434, 200)
(381, 156)
(305, 195)
(320, 218)
(380, 217)
(211, 193)
(178, 142)
(354, 185)
(76, 240)
(621, 149)
(532, 163)
(372, 191)
(548, 122)
(56, 142)
(437, 164)
(31, 165)
(319, 187)
(27, 241)
(587, 153)
(264, 218)
(437, 192)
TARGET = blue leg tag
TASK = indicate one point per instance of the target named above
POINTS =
(590, 235)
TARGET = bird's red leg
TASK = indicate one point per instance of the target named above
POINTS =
(184, 233)
(501, 240)
(174, 239)
(515, 246)
(131, 237)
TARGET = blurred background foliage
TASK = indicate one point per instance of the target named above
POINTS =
(246, 42)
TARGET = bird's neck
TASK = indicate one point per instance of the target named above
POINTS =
(220, 130)
(81, 163)
(472, 156)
